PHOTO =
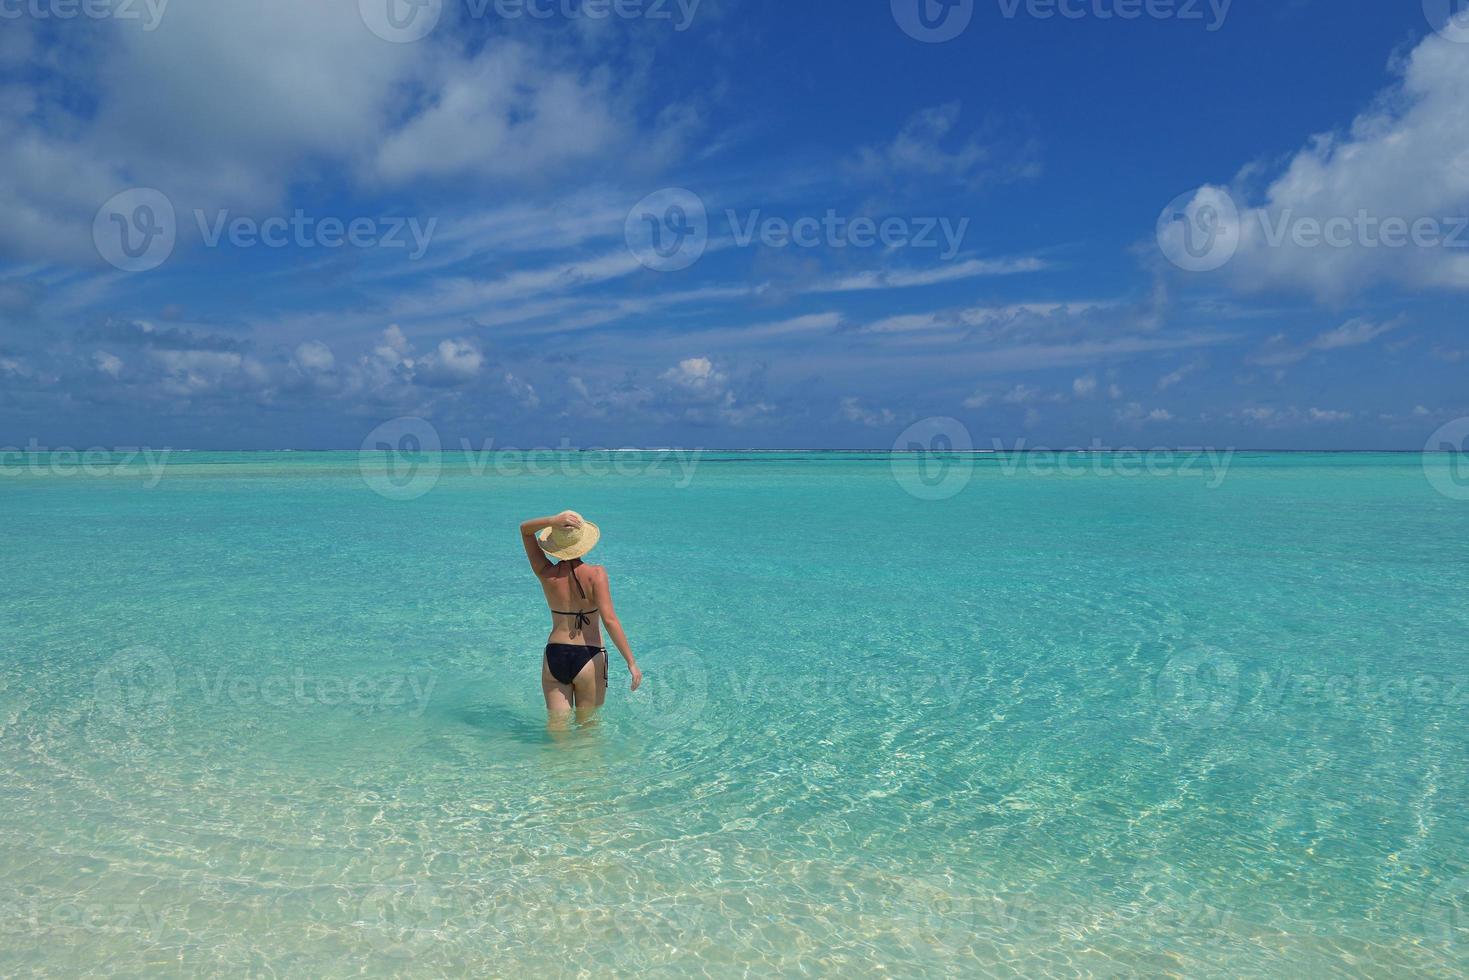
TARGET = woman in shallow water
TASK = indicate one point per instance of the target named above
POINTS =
(574, 669)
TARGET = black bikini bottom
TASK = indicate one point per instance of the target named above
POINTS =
(566, 661)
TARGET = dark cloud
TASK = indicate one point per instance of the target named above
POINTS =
(138, 333)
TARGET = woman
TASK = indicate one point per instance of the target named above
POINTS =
(574, 670)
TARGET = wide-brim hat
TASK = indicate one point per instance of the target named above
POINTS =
(566, 543)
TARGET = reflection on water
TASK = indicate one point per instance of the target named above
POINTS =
(261, 720)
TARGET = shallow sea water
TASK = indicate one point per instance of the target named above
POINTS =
(259, 717)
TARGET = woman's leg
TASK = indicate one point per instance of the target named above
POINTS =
(558, 697)
(590, 687)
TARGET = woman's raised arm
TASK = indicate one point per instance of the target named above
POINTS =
(528, 529)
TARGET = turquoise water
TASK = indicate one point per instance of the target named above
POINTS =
(259, 718)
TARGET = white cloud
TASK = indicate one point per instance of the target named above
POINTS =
(979, 399)
(1018, 395)
(1084, 386)
(193, 372)
(452, 362)
(315, 356)
(696, 373)
(949, 272)
(852, 410)
(1407, 157)
(1176, 376)
(1274, 418)
(1279, 352)
(391, 370)
(227, 104)
(505, 113)
(1136, 413)
(525, 393)
(919, 151)
(108, 364)
(1328, 415)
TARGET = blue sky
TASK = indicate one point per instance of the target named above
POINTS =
(1209, 223)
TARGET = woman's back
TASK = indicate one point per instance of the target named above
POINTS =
(571, 593)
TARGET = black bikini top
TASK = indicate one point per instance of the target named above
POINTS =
(583, 619)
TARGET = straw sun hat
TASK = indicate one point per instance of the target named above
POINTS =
(566, 543)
